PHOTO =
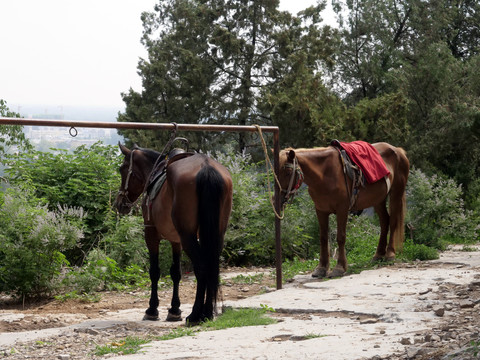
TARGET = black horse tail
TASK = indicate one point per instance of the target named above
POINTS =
(210, 188)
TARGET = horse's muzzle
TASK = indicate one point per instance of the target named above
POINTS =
(123, 205)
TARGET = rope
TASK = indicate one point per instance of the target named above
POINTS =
(267, 163)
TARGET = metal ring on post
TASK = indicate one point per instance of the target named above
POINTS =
(73, 132)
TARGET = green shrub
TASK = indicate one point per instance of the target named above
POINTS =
(32, 239)
(300, 229)
(250, 238)
(100, 272)
(87, 178)
(362, 240)
(473, 196)
(126, 243)
(412, 252)
(436, 212)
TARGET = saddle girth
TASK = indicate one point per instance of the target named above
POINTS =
(351, 170)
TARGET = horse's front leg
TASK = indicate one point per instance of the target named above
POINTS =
(174, 313)
(341, 267)
(322, 269)
(152, 241)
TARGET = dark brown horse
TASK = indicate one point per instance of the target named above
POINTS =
(322, 170)
(191, 211)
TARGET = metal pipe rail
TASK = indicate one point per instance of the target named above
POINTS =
(179, 127)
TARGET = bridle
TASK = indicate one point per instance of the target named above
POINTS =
(124, 192)
(293, 185)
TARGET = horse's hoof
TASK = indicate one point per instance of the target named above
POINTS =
(378, 258)
(194, 320)
(336, 272)
(319, 272)
(174, 317)
(150, 317)
(191, 322)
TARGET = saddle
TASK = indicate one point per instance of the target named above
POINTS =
(158, 177)
(353, 171)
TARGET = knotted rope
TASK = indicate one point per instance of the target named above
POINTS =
(268, 166)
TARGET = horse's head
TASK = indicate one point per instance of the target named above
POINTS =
(134, 171)
(290, 175)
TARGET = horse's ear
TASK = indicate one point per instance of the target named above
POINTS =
(124, 149)
(291, 155)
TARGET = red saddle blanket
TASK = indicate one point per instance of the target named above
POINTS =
(367, 158)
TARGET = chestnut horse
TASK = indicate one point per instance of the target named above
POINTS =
(191, 211)
(322, 171)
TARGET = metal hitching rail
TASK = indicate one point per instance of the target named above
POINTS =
(72, 124)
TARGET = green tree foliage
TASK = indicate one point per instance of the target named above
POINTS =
(373, 36)
(384, 118)
(33, 240)
(426, 52)
(379, 37)
(220, 61)
(87, 178)
(445, 113)
(11, 136)
(454, 23)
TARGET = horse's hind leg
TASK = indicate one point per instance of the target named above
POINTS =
(174, 313)
(341, 267)
(384, 218)
(152, 241)
(397, 213)
(193, 250)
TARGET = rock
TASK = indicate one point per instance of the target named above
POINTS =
(64, 357)
(425, 291)
(439, 310)
(413, 351)
(418, 340)
(405, 341)
(466, 304)
(268, 289)
(87, 331)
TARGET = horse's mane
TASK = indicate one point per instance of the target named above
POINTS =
(151, 155)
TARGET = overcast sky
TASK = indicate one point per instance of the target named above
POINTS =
(65, 52)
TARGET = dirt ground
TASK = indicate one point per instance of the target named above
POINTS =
(40, 316)
(52, 313)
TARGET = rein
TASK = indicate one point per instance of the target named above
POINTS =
(297, 172)
(124, 191)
